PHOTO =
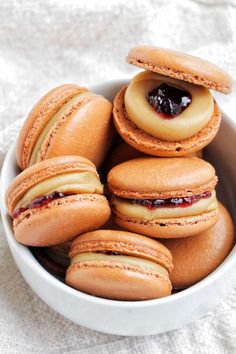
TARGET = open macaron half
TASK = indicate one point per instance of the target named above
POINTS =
(68, 120)
(168, 109)
(53, 201)
(119, 265)
(164, 197)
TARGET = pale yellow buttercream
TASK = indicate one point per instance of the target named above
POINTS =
(49, 125)
(135, 261)
(70, 183)
(189, 122)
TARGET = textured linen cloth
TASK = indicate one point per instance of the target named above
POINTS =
(46, 43)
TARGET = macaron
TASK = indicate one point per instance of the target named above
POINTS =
(196, 257)
(119, 265)
(164, 197)
(122, 152)
(68, 120)
(167, 110)
(55, 200)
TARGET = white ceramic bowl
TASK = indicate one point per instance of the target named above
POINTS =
(138, 317)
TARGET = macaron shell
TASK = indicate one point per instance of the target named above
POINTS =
(181, 66)
(41, 113)
(117, 281)
(151, 145)
(86, 130)
(123, 242)
(42, 171)
(150, 177)
(169, 228)
(196, 257)
(61, 220)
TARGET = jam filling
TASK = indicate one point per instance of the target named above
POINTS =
(39, 202)
(182, 202)
(113, 253)
(169, 101)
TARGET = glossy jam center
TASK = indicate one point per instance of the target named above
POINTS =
(39, 202)
(169, 101)
(170, 202)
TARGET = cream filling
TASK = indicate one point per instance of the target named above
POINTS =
(124, 207)
(70, 183)
(49, 125)
(135, 261)
(186, 124)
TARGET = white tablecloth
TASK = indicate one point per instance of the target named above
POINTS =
(46, 43)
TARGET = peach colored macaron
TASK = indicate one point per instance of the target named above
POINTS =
(119, 265)
(196, 257)
(168, 109)
(68, 120)
(181, 66)
(164, 197)
(54, 200)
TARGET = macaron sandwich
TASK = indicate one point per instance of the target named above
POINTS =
(168, 110)
(167, 229)
(53, 201)
(68, 120)
(119, 265)
(164, 197)
(196, 257)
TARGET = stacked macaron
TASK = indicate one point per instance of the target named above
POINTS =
(168, 110)
(157, 224)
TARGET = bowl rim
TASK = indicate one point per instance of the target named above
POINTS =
(27, 257)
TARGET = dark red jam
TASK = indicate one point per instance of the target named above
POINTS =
(39, 202)
(168, 100)
(113, 253)
(170, 202)
(17, 212)
(45, 199)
